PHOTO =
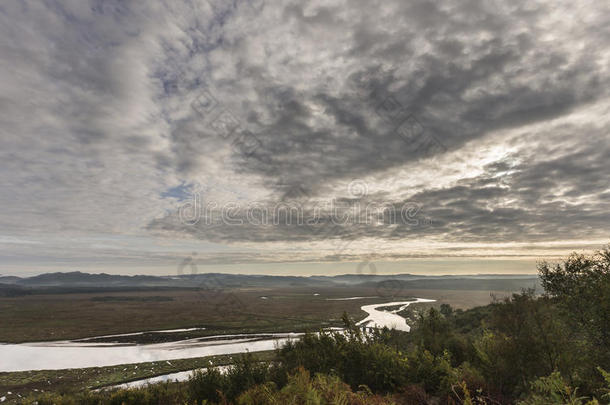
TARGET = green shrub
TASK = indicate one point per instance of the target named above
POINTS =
(553, 390)
(301, 389)
(207, 385)
(352, 357)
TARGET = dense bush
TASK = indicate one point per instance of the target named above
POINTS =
(216, 386)
(355, 358)
(302, 389)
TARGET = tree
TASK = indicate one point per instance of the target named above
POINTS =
(446, 310)
(581, 286)
(526, 339)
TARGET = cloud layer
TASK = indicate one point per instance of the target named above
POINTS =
(490, 117)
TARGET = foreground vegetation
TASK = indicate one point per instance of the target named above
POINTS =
(531, 349)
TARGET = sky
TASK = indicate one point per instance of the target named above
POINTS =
(291, 137)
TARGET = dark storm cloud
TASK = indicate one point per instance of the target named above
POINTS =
(558, 197)
(461, 69)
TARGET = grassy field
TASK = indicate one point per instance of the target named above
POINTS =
(71, 316)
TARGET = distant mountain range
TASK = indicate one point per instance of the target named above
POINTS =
(10, 285)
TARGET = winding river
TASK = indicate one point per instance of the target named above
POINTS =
(83, 353)
(77, 354)
(379, 319)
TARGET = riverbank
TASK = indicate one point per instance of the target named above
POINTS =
(380, 318)
(23, 383)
